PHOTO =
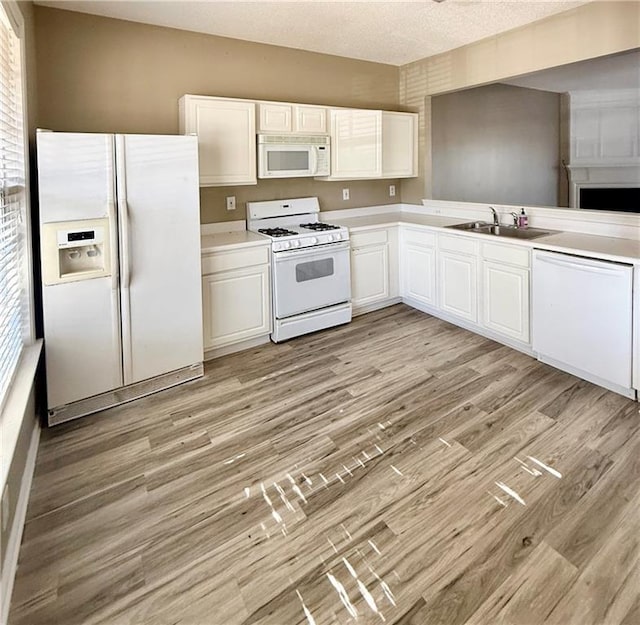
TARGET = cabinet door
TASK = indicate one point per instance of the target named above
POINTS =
(458, 290)
(237, 305)
(274, 117)
(226, 132)
(369, 274)
(311, 119)
(505, 293)
(419, 273)
(356, 144)
(399, 145)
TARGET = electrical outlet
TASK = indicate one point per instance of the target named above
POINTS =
(231, 202)
(5, 508)
(392, 190)
(345, 194)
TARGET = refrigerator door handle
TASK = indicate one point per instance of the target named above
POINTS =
(125, 260)
(125, 247)
(113, 244)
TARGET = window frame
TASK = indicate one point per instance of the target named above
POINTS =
(16, 21)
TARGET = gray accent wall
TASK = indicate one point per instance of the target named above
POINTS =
(497, 144)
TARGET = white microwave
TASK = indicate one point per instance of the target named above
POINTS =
(293, 156)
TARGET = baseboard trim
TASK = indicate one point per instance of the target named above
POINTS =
(367, 308)
(10, 564)
(216, 352)
(468, 325)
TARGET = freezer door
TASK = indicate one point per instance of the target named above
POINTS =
(159, 217)
(75, 175)
(81, 317)
(82, 340)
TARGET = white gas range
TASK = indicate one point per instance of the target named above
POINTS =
(310, 266)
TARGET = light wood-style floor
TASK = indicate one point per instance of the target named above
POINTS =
(398, 470)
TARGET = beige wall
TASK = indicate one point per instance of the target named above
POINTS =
(104, 75)
(592, 30)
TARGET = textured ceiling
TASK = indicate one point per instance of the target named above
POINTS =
(386, 32)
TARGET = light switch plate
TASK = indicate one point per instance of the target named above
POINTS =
(231, 202)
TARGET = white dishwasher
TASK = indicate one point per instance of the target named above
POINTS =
(582, 318)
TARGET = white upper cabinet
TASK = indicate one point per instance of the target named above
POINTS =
(605, 127)
(356, 144)
(399, 145)
(283, 118)
(226, 138)
(274, 117)
(311, 119)
(365, 144)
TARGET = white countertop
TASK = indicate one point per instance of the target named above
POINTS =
(604, 247)
(608, 248)
(223, 241)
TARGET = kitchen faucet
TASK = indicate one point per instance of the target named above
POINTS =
(496, 221)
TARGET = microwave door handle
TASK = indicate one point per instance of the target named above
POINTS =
(314, 159)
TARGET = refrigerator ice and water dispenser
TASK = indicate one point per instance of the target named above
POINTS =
(77, 250)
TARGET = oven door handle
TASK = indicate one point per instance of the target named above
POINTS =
(307, 252)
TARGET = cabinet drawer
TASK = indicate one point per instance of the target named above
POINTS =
(234, 259)
(369, 237)
(457, 244)
(419, 237)
(511, 254)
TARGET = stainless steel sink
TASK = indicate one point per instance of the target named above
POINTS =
(513, 232)
(471, 225)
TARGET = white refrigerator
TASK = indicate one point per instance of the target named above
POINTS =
(121, 276)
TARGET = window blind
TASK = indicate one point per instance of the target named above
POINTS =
(12, 204)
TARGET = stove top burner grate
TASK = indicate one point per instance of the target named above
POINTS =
(319, 226)
(277, 232)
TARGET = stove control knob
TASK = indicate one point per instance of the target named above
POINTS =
(285, 245)
(295, 243)
(313, 240)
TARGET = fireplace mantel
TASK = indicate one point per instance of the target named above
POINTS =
(599, 175)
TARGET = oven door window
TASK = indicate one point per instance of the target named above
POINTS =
(289, 160)
(314, 269)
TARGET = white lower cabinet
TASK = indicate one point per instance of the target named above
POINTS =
(486, 284)
(374, 267)
(418, 266)
(369, 274)
(505, 290)
(458, 276)
(236, 301)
